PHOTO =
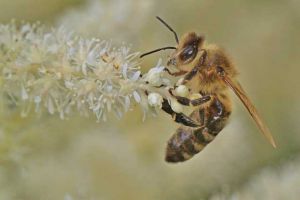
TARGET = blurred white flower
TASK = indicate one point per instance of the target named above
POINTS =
(270, 183)
(108, 18)
(62, 72)
(68, 197)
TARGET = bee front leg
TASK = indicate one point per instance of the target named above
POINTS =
(179, 73)
(178, 117)
(195, 70)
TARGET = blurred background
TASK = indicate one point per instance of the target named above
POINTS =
(43, 157)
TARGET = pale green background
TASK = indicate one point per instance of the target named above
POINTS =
(47, 158)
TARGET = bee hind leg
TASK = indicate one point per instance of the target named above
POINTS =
(217, 121)
(179, 117)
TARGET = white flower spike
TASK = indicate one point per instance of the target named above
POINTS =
(61, 73)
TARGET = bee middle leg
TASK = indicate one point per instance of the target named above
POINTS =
(190, 102)
(178, 117)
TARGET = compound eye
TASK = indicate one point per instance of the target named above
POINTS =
(188, 53)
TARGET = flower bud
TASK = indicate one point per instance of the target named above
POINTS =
(154, 76)
(155, 99)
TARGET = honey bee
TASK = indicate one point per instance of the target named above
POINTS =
(206, 70)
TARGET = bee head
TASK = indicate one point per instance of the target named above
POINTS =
(187, 51)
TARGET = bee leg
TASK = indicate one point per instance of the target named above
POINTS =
(195, 70)
(160, 86)
(191, 102)
(217, 121)
(195, 102)
(178, 117)
(179, 73)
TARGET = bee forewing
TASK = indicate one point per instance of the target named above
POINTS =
(238, 90)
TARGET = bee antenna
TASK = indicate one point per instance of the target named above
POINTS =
(169, 27)
(156, 50)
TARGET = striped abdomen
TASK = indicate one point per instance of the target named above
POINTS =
(187, 141)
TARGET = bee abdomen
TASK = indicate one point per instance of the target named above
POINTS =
(187, 142)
